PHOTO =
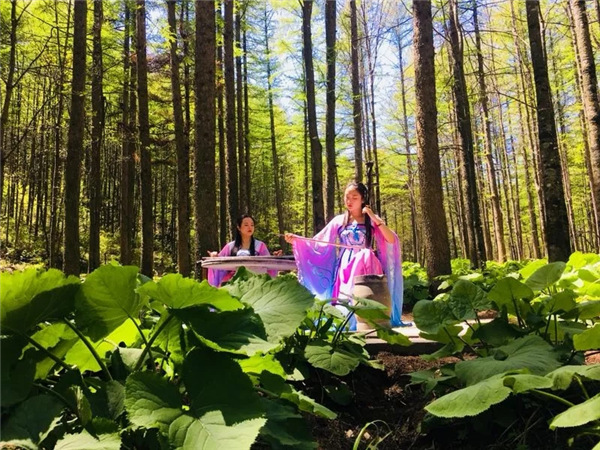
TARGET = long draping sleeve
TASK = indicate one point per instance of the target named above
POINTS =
(215, 276)
(316, 261)
(391, 261)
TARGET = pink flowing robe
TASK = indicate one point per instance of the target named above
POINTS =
(321, 270)
(216, 276)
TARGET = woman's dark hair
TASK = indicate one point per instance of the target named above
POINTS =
(238, 236)
(364, 195)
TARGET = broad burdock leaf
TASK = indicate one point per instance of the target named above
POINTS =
(530, 352)
(175, 291)
(31, 297)
(563, 376)
(578, 259)
(578, 415)
(472, 400)
(84, 440)
(215, 382)
(58, 339)
(585, 310)
(277, 385)
(79, 355)
(151, 401)
(497, 332)
(466, 299)
(530, 268)
(588, 340)
(16, 374)
(281, 303)
(546, 276)
(563, 301)
(258, 363)
(335, 360)
(430, 316)
(392, 337)
(33, 419)
(509, 291)
(106, 299)
(285, 427)
(523, 382)
(210, 432)
(239, 331)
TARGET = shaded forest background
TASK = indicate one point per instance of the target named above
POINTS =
(139, 130)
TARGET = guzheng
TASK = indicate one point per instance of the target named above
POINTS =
(254, 263)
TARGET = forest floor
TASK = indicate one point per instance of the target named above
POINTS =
(386, 399)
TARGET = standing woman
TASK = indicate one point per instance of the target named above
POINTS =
(328, 270)
(243, 245)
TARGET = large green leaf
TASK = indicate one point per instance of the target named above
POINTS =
(523, 382)
(563, 376)
(546, 276)
(210, 432)
(466, 299)
(58, 339)
(497, 332)
(277, 385)
(285, 428)
(107, 299)
(215, 382)
(431, 316)
(84, 440)
(510, 292)
(578, 259)
(472, 400)
(151, 401)
(563, 301)
(578, 415)
(16, 374)
(79, 355)
(584, 311)
(257, 363)
(281, 303)
(33, 419)
(392, 337)
(175, 291)
(31, 297)
(335, 360)
(588, 340)
(531, 267)
(239, 331)
(530, 352)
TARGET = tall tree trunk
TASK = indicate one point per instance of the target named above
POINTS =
(330, 31)
(356, 98)
(247, 175)
(407, 149)
(183, 159)
(463, 116)
(8, 91)
(232, 161)
(491, 169)
(75, 141)
(127, 223)
(589, 94)
(278, 190)
(556, 230)
(97, 131)
(147, 258)
(240, 113)
(316, 149)
(435, 229)
(205, 201)
(224, 229)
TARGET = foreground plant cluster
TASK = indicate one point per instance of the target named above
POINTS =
(121, 361)
(529, 357)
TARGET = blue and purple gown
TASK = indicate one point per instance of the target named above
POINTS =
(328, 271)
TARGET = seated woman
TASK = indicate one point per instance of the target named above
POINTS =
(243, 245)
(328, 263)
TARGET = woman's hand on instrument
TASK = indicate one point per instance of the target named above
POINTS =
(289, 238)
(212, 254)
(278, 253)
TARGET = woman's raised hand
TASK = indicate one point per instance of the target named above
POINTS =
(289, 238)
(374, 217)
(212, 254)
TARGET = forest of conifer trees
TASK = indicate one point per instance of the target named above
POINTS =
(137, 131)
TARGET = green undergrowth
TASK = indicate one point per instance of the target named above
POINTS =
(122, 361)
(529, 358)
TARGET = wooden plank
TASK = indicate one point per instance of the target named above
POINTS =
(251, 262)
